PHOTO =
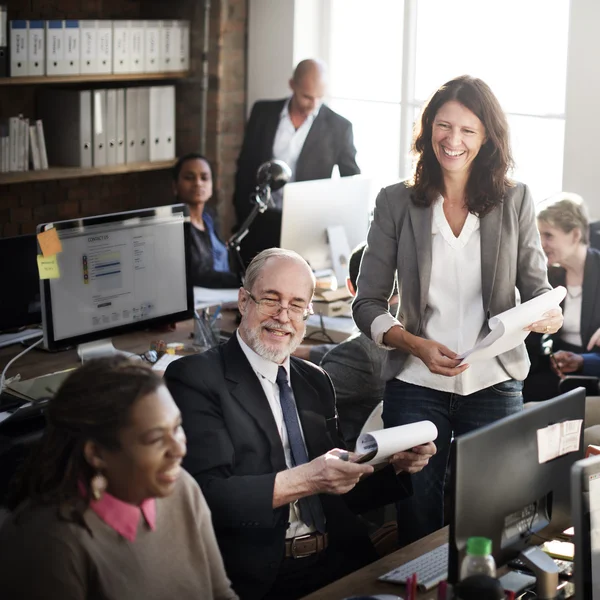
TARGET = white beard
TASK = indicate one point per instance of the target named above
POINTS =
(276, 355)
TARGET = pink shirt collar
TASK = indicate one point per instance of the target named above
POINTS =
(122, 516)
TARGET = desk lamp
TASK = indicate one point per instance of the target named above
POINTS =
(270, 177)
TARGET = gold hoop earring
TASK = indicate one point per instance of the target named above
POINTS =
(98, 484)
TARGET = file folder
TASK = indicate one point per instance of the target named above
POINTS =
(184, 46)
(88, 41)
(99, 128)
(36, 48)
(162, 122)
(143, 125)
(121, 47)
(67, 117)
(4, 66)
(168, 109)
(136, 39)
(72, 42)
(151, 46)
(104, 52)
(111, 127)
(131, 125)
(55, 53)
(18, 48)
(169, 51)
(121, 127)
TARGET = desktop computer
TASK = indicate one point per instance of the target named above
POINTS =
(316, 212)
(585, 499)
(118, 273)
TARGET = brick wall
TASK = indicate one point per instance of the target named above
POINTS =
(23, 206)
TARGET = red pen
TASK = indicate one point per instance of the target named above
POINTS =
(442, 590)
(414, 587)
(509, 595)
(409, 588)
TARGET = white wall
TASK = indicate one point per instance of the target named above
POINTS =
(581, 171)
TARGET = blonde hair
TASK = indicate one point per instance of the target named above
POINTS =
(567, 213)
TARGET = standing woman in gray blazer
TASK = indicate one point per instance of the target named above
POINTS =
(461, 237)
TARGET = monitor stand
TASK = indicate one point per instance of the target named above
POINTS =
(99, 349)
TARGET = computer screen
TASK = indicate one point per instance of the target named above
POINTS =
(20, 299)
(118, 272)
(310, 207)
(503, 486)
(585, 500)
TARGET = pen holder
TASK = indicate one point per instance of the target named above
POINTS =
(204, 336)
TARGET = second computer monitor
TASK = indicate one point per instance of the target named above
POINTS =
(310, 207)
(505, 489)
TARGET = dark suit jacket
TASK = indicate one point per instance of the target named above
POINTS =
(590, 299)
(329, 142)
(235, 452)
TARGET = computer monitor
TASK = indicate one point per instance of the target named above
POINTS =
(20, 300)
(585, 501)
(501, 489)
(310, 207)
(118, 272)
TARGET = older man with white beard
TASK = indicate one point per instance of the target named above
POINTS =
(263, 444)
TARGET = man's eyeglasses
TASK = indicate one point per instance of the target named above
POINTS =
(273, 308)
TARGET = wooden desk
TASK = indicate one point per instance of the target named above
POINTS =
(364, 581)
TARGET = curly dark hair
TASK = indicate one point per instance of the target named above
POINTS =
(93, 403)
(488, 178)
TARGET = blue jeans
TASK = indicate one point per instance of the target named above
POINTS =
(452, 414)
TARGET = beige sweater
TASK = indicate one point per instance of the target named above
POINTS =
(42, 557)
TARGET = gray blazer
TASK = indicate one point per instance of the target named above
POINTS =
(399, 240)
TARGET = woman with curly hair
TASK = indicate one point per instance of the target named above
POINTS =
(461, 237)
(103, 508)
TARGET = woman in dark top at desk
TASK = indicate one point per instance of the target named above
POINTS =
(564, 231)
(193, 185)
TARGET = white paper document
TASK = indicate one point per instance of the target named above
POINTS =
(558, 439)
(205, 297)
(386, 442)
(507, 328)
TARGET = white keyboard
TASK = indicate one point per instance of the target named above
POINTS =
(6, 339)
(431, 568)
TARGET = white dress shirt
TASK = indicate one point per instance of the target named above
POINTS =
(454, 315)
(571, 329)
(266, 371)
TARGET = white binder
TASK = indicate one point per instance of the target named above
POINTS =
(24, 144)
(104, 51)
(36, 47)
(143, 125)
(136, 46)
(168, 109)
(72, 42)
(111, 127)
(169, 51)
(99, 128)
(41, 140)
(13, 136)
(156, 127)
(18, 48)
(151, 46)
(67, 117)
(88, 42)
(184, 46)
(162, 122)
(131, 125)
(55, 53)
(34, 149)
(121, 47)
(120, 126)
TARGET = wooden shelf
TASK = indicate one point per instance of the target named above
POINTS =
(42, 79)
(74, 172)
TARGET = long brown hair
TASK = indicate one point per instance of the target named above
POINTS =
(488, 178)
(93, 403)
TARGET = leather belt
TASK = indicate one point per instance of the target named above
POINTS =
(305, 545)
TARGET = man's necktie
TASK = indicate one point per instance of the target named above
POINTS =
(311, 511)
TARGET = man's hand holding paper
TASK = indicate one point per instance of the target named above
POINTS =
(510, 328)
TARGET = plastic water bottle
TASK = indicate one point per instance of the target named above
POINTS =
(479, 559)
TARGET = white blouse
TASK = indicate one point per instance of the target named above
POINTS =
(454, 315)
(571, 329)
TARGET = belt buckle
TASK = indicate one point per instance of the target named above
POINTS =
(295, 553)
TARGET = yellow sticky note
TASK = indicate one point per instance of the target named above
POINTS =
(48, 267)
(49, 242)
